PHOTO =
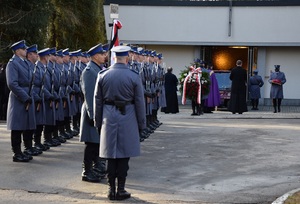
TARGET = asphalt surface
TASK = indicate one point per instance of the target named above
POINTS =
(218, 158)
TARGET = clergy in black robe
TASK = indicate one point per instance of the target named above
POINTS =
(171, 83)
(238, 76)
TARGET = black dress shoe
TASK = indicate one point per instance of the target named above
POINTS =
(194, 114)
(65, 135)
(149, 130)
(55, 141)
(61, 139)
(98, 174)
(19, 157)
(38, 150)
(74, 132)
(49, 144)
(111, 194)
(29, 157)
(41, 147)
(69, 133)
(31, 151)
(90, 177)
(145, 134)
(122, 195)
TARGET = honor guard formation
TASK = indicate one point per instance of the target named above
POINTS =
(53, 94)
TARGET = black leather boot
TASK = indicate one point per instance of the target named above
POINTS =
(58, 137)
(99, 166)
(62, 133)
(111, 195)
(122, 194)
(29, 150)
(19, 156)
(48, 140)
(253, 104)
(256, 104)
(199, 109)
(87, 173)
(194, 108)
(275, 105)
(37, 139)
(279, 105)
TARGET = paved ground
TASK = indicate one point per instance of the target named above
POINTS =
(217, 158)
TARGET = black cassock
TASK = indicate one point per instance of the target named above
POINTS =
(171, 82)
(238, 103)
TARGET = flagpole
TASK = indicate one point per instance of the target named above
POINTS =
(109, 41)
(114, 14)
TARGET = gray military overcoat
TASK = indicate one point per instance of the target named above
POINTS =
(39, 73)
(119, 136)
(88, 79)
(255, 82)
(19, 77)
(277, 90)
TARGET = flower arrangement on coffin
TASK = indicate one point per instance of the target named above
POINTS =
(190, 79)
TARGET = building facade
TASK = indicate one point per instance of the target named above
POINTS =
(261, 33)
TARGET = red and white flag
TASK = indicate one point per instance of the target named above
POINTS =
(114, 39)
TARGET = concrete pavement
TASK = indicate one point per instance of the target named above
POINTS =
(217, 158)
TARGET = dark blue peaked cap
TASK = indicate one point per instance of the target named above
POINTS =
(84, 54)
(52, 51)
(105, 47)
(160, 56)
(96, 49)
(66, 52)
(19, 45)
(133, 49)
(76, 53)
(44, 52)
(32, 48)
(59, 53)
(153, 53)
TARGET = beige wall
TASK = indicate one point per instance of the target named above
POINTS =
(276, 25)
(176, 57)
(289, 59)
(178, 32)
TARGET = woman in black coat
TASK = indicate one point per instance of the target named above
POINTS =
(171, 83)
(238, 76)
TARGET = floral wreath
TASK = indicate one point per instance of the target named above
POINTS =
(191, 79)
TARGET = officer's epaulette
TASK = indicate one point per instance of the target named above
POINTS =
(87, 67)
(134, 71)
(12, 59)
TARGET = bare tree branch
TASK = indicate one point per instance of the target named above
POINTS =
(10, 20)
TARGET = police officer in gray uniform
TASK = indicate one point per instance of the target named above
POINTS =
(119, 113)
(88, 132)
(33, 57)
(277, 79)
(20, 110)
